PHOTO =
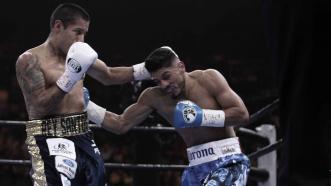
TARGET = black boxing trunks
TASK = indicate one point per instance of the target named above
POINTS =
(63, 152)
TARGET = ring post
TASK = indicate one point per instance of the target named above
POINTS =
(268, 161)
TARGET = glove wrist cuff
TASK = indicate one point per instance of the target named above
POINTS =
(213, 118)
(65, 83)
(95, 113)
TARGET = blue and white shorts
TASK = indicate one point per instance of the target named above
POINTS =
(216, 163)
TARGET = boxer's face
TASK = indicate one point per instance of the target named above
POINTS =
(171, 79)
(74, 32)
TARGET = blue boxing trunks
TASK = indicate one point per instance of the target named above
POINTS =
(216, 163)
(63, 152)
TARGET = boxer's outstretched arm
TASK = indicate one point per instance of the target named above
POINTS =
(132, 116)
(119, 124)
(110, 75)
(39, 98)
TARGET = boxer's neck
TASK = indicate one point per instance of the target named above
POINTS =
(54, 50)
(187, 87)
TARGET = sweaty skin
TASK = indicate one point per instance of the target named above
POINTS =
(38, 69)
(207, 88)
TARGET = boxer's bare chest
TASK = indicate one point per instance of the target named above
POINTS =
(52, 68)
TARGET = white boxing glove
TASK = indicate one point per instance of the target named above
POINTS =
(140, 72)
(79, 58)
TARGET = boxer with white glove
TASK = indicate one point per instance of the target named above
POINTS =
(79, 58)
(187, 115)
(140, 72)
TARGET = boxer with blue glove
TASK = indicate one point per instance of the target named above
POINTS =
(187, 114)
(203, 109)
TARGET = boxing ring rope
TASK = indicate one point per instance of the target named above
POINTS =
(253, 118)
(256, 174)
(256, 154)
(264, 111)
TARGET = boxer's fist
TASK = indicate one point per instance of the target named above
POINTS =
(79, 58)
(187, 114)
(140, 72)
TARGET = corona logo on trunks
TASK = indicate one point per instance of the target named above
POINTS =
(201, 153)
(189, 114)
(74, 65)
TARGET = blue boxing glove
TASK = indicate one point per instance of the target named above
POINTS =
(187, 115)
(95, 113)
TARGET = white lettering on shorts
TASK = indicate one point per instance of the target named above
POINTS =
(95, 148)
(66, 166)
(61, 147)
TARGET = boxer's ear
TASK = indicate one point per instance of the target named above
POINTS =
(181, 65)
(58, 24)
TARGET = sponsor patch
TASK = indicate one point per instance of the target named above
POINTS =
(61, 147)
(66, 166)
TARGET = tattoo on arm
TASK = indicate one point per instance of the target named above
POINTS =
(32, 82)
(30, 77)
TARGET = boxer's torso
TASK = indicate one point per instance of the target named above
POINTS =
(51, 67)
(197, 92)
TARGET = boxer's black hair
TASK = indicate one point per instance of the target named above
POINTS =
(68, 13)
(159, 58)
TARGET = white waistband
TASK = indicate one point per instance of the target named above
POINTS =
(212, 151)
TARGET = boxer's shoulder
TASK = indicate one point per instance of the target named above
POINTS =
(150, 92)
(151, 95)
(27, 59)
(199, 74)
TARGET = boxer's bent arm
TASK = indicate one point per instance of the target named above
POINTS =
(32, 83)
(234, 108)
(132, 116)
(110, 75)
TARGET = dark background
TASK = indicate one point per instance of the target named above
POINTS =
(226, 35)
